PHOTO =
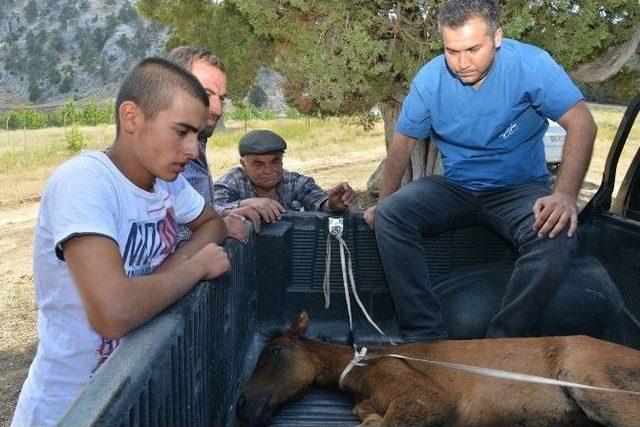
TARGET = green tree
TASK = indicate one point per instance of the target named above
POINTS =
(76, 140)
(242, 50)
(56, 42)
(34, 90)
(257, 97)
(344, 57)
(65, 83)
(14, 61)
(31, 11)
(30, 118)
(53, 74)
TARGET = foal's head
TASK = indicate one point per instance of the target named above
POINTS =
(285, 370)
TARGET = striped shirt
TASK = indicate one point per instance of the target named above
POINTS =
(295, 191)
(196, 172)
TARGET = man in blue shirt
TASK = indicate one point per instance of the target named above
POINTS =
(484, 103)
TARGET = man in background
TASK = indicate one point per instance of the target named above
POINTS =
(210, 72)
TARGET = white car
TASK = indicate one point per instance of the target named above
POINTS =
(553, 141)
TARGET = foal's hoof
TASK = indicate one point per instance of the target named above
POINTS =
(372, 420)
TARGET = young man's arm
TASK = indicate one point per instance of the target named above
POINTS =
(207, 228)
(554, 212)
(116, 304)
(395, 165)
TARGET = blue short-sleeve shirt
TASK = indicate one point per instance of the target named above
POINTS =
(491, 137)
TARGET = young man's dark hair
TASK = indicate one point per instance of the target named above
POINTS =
(147, 85)
(455, 13)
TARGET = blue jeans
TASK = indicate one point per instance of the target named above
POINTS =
(431, 206)
(587, 302)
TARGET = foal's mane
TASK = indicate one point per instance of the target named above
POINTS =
(272, 332)
(275, 332)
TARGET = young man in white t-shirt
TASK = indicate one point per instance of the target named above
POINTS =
(104, 257)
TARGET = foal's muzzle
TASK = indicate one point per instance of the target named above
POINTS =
(254, 410)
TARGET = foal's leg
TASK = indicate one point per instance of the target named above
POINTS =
(414, 409)
(365, 412)
(608, 365)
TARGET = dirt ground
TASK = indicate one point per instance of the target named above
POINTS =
(17, 342)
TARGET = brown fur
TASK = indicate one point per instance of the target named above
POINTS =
(391, 392)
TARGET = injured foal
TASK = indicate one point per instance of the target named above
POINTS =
(390, 391)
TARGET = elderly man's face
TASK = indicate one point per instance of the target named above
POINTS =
(264, 170)
(214, 82)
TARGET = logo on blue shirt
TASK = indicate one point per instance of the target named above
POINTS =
(510, 130)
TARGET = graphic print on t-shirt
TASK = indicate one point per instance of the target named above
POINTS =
(149, 243)
(104, 350)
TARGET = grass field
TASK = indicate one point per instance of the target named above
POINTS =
(328, 149)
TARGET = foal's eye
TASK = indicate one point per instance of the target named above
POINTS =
(276, 350)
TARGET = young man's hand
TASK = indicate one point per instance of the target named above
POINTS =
(213, 260)
(341, 198)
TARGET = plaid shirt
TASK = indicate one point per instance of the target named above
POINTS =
(295, 191)
(196, 172)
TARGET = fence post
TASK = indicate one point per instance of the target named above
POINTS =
(64, 124)
(8, 118)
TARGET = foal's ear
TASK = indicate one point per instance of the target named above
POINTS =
(300, 325)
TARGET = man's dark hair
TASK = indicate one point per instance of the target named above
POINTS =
(153, 82)
(455, 13)
(187, 55)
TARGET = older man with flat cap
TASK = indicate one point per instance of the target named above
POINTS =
(263, 184)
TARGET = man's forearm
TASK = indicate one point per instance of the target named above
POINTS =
(576, 154)
(398, 156)
(211, 231)
(115, 304)
(146, 296)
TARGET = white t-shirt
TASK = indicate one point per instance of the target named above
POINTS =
(89, 195)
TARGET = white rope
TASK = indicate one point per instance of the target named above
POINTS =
(356, 361)
(348, 280)
(345, 284)
(487, 372)
(343, 244)
(326, 284)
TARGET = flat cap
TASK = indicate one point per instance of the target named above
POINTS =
(261, 142)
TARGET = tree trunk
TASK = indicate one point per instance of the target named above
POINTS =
(425, 159)
(610, 62)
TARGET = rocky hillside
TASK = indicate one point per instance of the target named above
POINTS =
(59, 49)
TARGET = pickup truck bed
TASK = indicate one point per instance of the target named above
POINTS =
(186, 366)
